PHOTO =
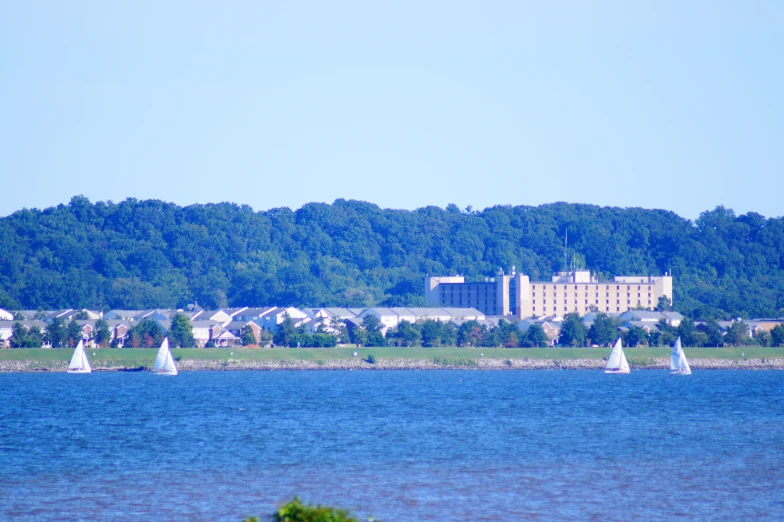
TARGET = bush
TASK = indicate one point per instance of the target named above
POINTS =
(454, 361)
(641, 362)
(296, 511)
(371, 358)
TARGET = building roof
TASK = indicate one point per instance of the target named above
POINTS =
(207, 323)
(643, 315)
(255, 312)
(239, 325)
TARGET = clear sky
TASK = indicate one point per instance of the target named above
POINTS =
(661, 104)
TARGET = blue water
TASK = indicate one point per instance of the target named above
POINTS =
(398, 445)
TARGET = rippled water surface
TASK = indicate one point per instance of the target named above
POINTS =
(397, 445)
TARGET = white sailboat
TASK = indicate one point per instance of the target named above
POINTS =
(617, 361)
(79, 362)
(164, 363)
(678, 363)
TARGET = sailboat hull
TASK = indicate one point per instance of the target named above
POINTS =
(617, 371)
(78, 370)
(171, 374)
(680, 372)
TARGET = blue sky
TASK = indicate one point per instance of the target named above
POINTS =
(661, 104)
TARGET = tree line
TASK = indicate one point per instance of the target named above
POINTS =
(141, 254)
(604, 331)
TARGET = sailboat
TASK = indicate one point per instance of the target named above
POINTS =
(79, 362)
(617, 361)
(678, 363)
(164, 363)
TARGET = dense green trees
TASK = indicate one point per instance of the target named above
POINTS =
(535, 337)
(102, 333)
(21, 337)
(181, 332)
(73, 333)
(247, 338)
(688, 333)
(145, 334)
(777, 336)
(572, 331)
(713, 335)
(635, 336)
(604, 329)
(434, 333)
(56, 333)
(150, 254)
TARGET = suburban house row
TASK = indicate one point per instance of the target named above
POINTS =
(223, 328)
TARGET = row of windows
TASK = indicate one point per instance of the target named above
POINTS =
(617, 301)
(566, 309)
(639, 294)
(606, 287)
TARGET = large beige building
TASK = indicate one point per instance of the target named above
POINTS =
(576, 291)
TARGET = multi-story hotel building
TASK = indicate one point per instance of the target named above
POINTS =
(577, 291)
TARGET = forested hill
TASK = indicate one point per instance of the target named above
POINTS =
(151, 254)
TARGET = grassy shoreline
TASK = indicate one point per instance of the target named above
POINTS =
(141, 357)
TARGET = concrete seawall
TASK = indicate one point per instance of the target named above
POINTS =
(412, 364)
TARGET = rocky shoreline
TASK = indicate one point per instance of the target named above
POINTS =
(411, 364)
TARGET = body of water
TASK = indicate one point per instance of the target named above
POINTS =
(397, 445)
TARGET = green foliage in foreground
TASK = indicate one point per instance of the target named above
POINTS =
(151, 254)
(454, 361)
(296, 511)
(641, 362)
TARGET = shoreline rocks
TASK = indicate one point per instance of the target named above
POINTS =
(408, 364)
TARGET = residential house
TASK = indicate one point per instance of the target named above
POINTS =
(673, 318)
(387, 317)
(272, 319)
(645, 325)
(550, 325)
(6, 315)
(121, 315)
(236, 327)
(7, 330)
(152, 315)
(88, 332)
(589, 318)
(252, 314)
(435, 314)
(223, 316)
(205, 331)
(119, 331)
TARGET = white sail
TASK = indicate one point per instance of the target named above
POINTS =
(624, 363)
(160, 359)
(169, 366)
(164, 363)
(678, 362)
(617, 361)
(79, 362)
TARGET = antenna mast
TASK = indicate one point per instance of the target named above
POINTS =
(566, 242)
